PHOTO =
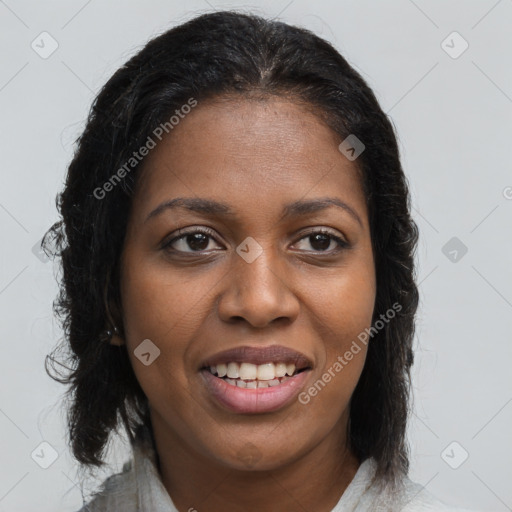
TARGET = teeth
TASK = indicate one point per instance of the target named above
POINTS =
(233, 370)
(249, 371)
(280, 370)
(253, 384)
(266, 371)
(222, 370)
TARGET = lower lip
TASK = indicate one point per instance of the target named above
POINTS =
(243, 400)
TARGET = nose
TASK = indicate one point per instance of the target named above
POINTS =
(258, 292)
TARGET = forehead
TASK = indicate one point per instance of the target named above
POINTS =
(249, 152)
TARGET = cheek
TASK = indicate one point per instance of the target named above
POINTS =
(162, 303)
(330, 390)
(153, 309)
(153, 312)
(342, 311)
(344, 305)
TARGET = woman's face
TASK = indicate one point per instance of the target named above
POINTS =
(251, 271)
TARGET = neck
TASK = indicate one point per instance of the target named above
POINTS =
(313, 481)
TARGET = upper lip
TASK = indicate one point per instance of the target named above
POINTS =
(259, 355)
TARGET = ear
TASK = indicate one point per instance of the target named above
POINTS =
(114, 316)
(117, 339)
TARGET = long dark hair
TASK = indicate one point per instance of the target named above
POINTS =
(218, 54)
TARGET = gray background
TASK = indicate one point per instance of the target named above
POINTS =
(454, 120)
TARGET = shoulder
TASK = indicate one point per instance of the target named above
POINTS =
(117, 493)
(418, 499)
(123, 492)
(373, 494)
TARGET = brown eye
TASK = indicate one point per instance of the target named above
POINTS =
(320, 241)
(197, 240)
(325, 241)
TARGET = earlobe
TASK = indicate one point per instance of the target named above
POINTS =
(116, 338)
(112, 337)
(116, 341)
(112, 334)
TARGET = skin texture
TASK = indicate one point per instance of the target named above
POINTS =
(257, 156)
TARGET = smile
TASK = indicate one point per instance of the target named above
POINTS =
(251, 376)
(253, 396)
(249, 380)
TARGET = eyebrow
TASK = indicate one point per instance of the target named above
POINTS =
(215, 208)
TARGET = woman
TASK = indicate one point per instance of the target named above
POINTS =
(238, 279)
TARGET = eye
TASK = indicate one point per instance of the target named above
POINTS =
(321, 240)
(198, 240)
(195, 239)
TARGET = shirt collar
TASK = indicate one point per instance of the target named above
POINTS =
(143, 476)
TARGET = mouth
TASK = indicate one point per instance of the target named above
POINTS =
(255, 380)
(251, 376)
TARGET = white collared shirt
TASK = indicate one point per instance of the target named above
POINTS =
(139, 488)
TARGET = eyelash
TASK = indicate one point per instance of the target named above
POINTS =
(342, 244)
